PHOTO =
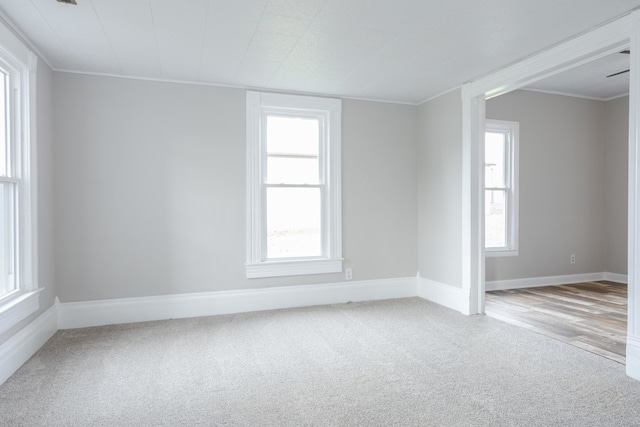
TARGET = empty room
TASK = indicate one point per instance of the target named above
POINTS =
(572, 207)
(272, 212)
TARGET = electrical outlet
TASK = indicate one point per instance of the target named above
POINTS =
(573, 259)
(348, 273)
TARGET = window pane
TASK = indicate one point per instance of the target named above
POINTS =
(3, 123)
(293, 135)
(293, 223)
(494, 160)
(7, 238)
(495, 219)
(292, 170)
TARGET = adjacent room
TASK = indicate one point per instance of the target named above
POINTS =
(572, 228)
(269, 212)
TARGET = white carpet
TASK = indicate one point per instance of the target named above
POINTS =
(399, 362)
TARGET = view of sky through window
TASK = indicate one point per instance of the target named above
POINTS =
(293, 199)
(495, 193)
(3, 124)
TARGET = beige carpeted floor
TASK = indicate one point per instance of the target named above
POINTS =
(401, 362)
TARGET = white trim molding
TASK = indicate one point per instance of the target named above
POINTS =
(601, 41)
(616, 277)
(633, 203)
(143, 309)
(18, 349)
(443, 294)
(327, 112)
(473, 253)
(17, 309)
(19, 66)
(533, 282)
(633, 357)
(293, 268)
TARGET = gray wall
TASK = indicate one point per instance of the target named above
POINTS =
(616, 183)
(150, 189)
(46, 249)
(566, 169)
(440, 189)
(380, 224)
(44, 123)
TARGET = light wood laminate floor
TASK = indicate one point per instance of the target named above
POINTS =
(589, 315)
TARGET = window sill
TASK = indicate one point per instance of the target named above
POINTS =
(293, 268)
(500, 253)
(17, 308)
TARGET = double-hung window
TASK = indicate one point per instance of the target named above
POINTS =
(293, 185)
(501, 188)
(18, 282)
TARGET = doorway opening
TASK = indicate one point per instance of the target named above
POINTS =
(573, 175)
(610, 39)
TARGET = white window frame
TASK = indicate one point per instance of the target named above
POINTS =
(259, 105)
(512, 132)
(21, 64)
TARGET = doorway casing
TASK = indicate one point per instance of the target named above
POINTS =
(610, 38)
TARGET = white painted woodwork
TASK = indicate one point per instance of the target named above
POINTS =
(532, 282)
(20, 347)
(633, 254)
(142, 309)
(21, 64)
(328, 111)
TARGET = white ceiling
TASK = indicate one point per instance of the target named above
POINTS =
(590, 80)
(394, 50)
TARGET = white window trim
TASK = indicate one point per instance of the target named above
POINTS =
(331, 261)
(512, 226)
(24, 301)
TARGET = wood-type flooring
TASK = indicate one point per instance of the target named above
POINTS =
(589, 315)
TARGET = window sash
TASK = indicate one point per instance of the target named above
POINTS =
(323, 241)
(6, 161)
(321, 179)
(19, 66)
(260, 106)
(265, 229)
(508, 187)
(320, 117)
(9, 183)
(505, 216)
(308, 175)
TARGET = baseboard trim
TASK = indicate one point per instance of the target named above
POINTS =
(443, 294)
(533, 282)
(615, 277)
(633, 357)
(143, 309)
(19, 348)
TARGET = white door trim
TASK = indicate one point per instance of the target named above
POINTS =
(610, 38)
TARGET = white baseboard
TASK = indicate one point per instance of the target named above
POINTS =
(615, 277)
(19, 348)
(128, 310)
(446, 295)
(533, 282)
(633, 357)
